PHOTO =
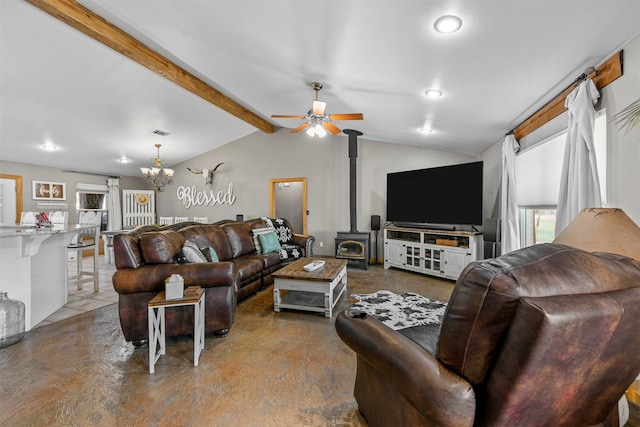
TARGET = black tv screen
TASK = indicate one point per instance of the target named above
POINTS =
(447, 195)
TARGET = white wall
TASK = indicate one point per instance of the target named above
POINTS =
(252, 161)
(623, 149)
(32, 173)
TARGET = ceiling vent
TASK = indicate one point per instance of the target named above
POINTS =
(160, 132)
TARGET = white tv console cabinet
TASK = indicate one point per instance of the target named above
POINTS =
(435, 252)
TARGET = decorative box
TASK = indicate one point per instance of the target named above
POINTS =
(174, 287)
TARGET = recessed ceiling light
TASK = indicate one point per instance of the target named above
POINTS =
(426, 131)
(448, 24)
(123, 159)
(433, 93)
(49, 147)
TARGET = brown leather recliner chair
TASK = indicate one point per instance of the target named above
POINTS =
(545, 336)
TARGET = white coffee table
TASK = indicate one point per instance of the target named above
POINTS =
(157, 327)
(316, 291)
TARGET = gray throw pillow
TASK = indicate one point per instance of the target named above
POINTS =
(192, 253)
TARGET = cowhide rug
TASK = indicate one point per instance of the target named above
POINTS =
(410, 314)
(400, 311)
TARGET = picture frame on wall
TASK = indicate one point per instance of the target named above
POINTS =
(43, 190)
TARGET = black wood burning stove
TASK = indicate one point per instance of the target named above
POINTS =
(353, 245)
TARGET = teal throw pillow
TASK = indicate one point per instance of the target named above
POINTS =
(209, 253)
(269, 243)
(213, 255)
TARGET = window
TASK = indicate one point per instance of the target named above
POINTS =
(93, 197)
(538, 172)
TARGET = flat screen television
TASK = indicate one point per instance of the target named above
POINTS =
(440, 196)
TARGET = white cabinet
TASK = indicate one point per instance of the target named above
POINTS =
(393, 253)
(454, 261)
(438, 253)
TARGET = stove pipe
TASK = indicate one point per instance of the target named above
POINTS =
(353, 155)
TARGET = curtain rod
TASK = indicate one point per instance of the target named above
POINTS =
(92, 173)
(602, 75)
(582, 77)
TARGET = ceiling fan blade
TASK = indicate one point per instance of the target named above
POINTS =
(301, 127)
(318, 107)
(331, 128)
(353, 116)
(284, 116)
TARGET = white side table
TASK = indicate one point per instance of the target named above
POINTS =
(157, 327)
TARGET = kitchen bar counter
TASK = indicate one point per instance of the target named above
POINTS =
(33, 268)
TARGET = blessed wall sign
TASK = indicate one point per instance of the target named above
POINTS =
(190, 196)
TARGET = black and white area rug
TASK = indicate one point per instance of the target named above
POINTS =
(400, 311)
(414, 316)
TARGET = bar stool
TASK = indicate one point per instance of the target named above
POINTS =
(86, 239)
(166, 220)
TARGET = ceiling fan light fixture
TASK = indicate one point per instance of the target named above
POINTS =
(448, 24)
(318, 107)
(318, 123)
(316, 130)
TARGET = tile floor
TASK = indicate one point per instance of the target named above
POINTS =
(85, 300)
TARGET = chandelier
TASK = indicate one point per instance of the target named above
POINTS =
(158, 175)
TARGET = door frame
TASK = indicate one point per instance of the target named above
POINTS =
(272, 197)
(18, 195)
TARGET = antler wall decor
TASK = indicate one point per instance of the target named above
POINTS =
(207, 174)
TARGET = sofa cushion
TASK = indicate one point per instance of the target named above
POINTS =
(240, 238)
(161, 247)
(269, 242)
(268, 261)
(126, 247)
(282, 227)
(247, 267)
(192, 253)
(209, 235)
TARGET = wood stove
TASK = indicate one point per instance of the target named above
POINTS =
(353, 245)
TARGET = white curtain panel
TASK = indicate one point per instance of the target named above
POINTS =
(115, 213)
(579, 182)
(510, 228)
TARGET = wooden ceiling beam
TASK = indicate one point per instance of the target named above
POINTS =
(604, 74)
(96, 27)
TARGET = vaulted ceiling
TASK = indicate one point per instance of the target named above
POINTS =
(60, 86)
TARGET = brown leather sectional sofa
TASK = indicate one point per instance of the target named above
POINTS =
(146, 256)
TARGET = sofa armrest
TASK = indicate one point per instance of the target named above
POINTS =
(304, 241)
(426, 384)
(151, 277)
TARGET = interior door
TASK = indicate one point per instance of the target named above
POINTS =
(288, 199)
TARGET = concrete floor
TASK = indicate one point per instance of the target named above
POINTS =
(274, 369)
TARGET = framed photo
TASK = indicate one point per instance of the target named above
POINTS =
(43, 190)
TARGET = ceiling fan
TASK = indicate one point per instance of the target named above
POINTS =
(317, 121)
